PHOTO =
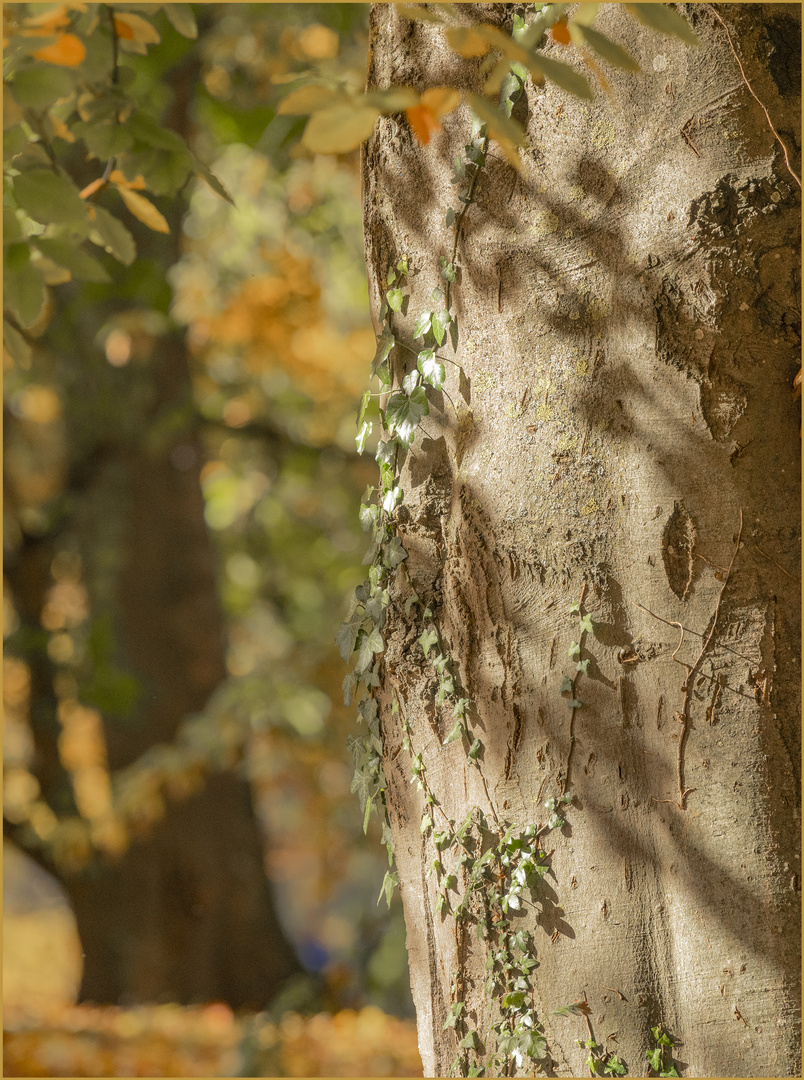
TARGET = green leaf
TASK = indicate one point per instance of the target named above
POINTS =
(470, 1041)
(666, 20)
(104, 140)
(368, 645)
(404, 412)
(433, 371)
(514, 1000)
(385, 342)
(40, 87)
(460, 706)
(575, 703)
(362, 435)
(585, 626)
(48, 197)
(612, 52)
(560, 73)
(203, 170)
(410, 382)
(474, 750)
(389, 883)
(428, 639)
(346, 636)
(448, 220)
(566, 685)
(456, 733)
(441, 320)
(348, 687)
(23, 287)
(423, 324)
(574, 649)
(455, 1011)
(81, 265)
(394, 553)
(113, 236)
(583, 666)
(447, 273)
(427, 824)
(394, 298)
(182, 19)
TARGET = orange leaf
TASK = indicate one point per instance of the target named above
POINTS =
(123, 30)
(797, 385)
(423, 122)
(90, 189)
(440, 99)
(561, 33)
(118, 178)
(68, 51)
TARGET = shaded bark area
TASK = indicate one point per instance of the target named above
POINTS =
(628, 331)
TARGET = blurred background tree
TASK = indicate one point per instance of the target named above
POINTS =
(180, 487)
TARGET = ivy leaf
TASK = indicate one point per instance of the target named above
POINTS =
(392, 499)
(575, 703)
(441, 320)
(566, 684)
(456, 733)
(514, 1000)
(346, 636)
(360, 439)
(448, 220)
(410, 382)
(427, 823)
(411, 600)
(368, 644)
(389, 883)
(470, 1041)
(460, 707)
(427, 639)
(583, 666)
(447, 270)
(423, 324)
(454, 1013)
(433, 371)
(404, 412)
(585, 626)
(348, 687)
(385, 342)
(394, 553)
(394, 298)
(474, 750)
(574, 649)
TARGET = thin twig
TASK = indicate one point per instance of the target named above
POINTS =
(753, 95)
(686, 629)
(460, 215)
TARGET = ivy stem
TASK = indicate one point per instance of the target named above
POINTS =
(566, 781)
(461, 213)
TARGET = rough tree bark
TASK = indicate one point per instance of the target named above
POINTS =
(628, 331)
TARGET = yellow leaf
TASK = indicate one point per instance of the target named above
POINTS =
(308, 99)
(339, 129)
(135, 30)
(144, 210)
(60, 129)
(67, 51)
(440, 100)
(467, 42)
(51, 19)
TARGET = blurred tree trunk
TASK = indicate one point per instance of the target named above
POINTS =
(628, 322)
(186, 914)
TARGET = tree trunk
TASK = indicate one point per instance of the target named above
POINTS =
(185, 914)
(625, 436)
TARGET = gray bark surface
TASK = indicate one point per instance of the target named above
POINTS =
(628, 332)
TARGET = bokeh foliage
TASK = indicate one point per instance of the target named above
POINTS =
(152, 191)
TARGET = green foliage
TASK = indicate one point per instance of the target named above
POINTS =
(660, 1058)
